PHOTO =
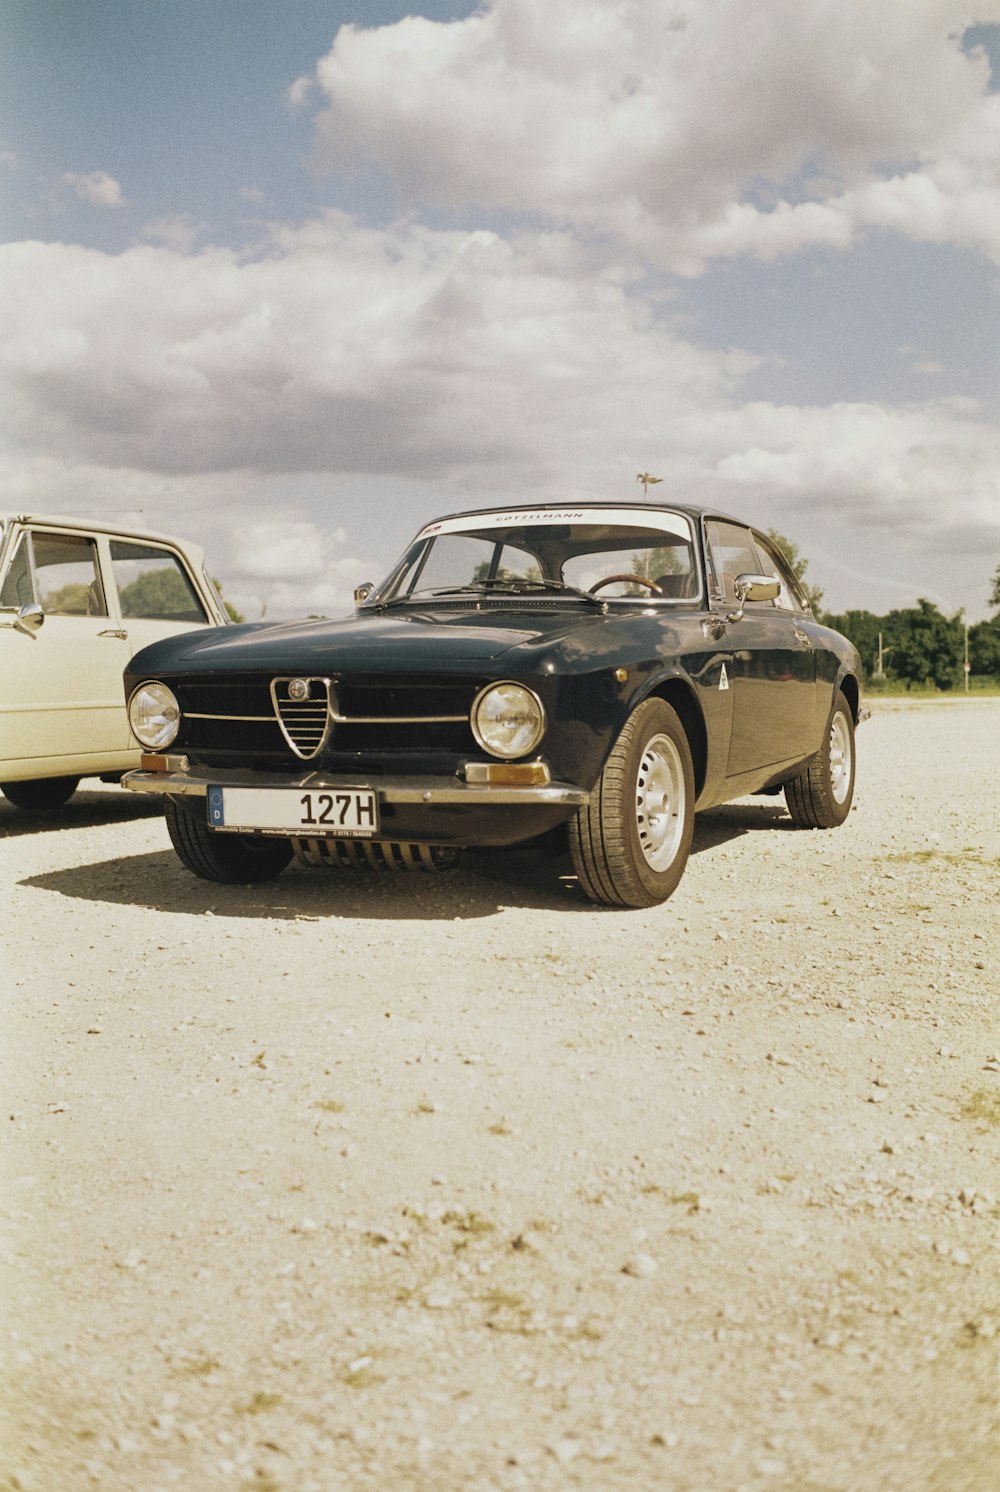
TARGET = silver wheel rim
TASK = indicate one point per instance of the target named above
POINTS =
(659, 802)
(840, 757)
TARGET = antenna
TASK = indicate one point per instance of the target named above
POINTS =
(647, 479)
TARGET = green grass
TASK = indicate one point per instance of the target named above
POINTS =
(364, 1377)
(198, 1367)
(981, 685)
(471, 1223)
(260, 1403)
(967, 856)
(983, 1106)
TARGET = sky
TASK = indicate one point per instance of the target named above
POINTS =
(292, 279)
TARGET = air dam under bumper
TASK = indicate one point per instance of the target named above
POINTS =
(420, 810)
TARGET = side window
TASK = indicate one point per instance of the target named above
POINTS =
(773, 562)
(732, 552)
(66, 574)
(153, 585)
(17, 588)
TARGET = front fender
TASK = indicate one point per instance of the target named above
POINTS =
(591, 710)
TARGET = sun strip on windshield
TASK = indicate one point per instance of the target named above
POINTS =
(668, 523)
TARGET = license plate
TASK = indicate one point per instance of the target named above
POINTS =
(337, 813)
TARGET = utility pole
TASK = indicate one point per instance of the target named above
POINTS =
(966, 665)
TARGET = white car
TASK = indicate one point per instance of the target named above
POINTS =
(77, 600)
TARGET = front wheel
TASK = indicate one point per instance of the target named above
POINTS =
(821, 796)
(237, 859)
(630, 843)
(41, 794)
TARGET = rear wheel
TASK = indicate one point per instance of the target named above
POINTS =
(238, 859)
(41, 793)
(631, 842)
(821, 796)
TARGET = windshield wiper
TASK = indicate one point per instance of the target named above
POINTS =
(562, 586)
(511, 585)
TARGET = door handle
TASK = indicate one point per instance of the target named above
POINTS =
(113, 632)
(803, 638)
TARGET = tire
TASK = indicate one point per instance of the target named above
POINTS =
(821, 796)
(40, 794)
(631, 842)
(237, 859)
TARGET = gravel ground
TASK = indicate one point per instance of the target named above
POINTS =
(459, 1182)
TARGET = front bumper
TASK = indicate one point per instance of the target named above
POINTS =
(420, 809)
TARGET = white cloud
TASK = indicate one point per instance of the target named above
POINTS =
(282, 547)
(339, 348)
(478, 367)
(686, 132)
(96, 187)
(299, 93)
(174, 231)
(289, 566)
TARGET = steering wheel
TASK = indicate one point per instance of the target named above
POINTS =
(639, 579)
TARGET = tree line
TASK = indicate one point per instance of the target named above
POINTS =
(918, 645)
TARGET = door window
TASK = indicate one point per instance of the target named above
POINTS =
(772, 562)
(732, 552)
(67, 577)
(153, 585)
(17, 588)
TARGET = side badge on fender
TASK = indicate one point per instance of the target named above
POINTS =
(723, 678)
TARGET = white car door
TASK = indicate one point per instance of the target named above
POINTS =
(156, 595)
(61, 704)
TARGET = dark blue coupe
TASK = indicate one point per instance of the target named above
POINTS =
(599, 669)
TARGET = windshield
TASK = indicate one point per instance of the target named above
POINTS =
(630, 554)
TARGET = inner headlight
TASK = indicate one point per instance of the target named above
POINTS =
(508, 720)
(154, 715)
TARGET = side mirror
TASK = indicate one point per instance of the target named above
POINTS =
(753, 588)
(27, 620)
(362, 592)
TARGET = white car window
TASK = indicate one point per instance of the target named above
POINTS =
(17, 588)
(153, 585)
(67, 576)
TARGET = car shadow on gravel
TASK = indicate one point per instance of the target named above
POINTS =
(486, 883)
(158, 881)
(719, 826)
(85, 810)
(528, 876)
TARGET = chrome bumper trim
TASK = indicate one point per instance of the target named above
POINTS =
(424, 790)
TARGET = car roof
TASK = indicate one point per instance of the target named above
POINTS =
(690, 510)
(97, 526)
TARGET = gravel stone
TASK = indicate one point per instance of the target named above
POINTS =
(418, 1286)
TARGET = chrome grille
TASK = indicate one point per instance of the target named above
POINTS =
(404, 722)
(305, 721)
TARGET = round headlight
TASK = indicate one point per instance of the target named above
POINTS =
(154, 715)
(508, 720)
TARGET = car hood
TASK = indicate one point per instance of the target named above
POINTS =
(463, 640)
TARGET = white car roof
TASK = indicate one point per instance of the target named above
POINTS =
(99, 526)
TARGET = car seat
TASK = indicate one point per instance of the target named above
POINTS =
(675, 587)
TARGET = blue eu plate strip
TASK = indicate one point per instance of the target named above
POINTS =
(216, 814)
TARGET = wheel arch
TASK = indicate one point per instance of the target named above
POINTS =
(851, 690)
(681, 697)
